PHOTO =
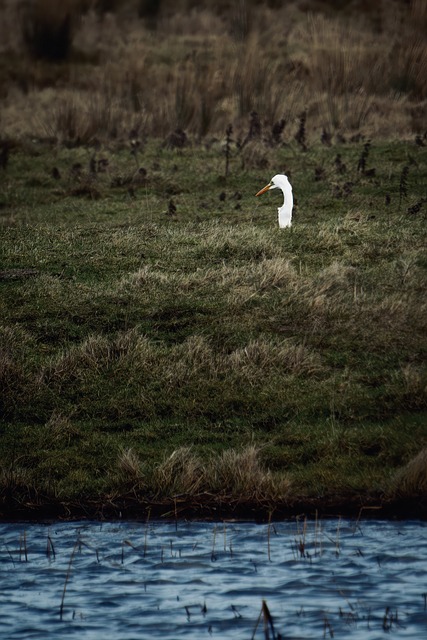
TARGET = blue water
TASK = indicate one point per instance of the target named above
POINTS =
(334, 578)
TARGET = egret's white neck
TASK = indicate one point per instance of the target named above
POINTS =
(285, 211)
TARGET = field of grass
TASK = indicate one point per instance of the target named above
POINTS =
(163, 342)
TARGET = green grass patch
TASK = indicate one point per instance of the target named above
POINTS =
(130, 327)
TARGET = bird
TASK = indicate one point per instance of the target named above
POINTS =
(285, 211)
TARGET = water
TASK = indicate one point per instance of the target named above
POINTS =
(130, 581)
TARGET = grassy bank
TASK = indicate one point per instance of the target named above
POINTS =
(130, 332)
(163, 344)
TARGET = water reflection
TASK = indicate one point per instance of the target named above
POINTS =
(164, 580)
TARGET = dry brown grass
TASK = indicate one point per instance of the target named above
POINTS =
(254, 82)
(261, 355)
(236, 474)
(82, 117)
(411, 481)
(98, 353)
(60, 427)
(333, 279)
(356, 70)
(411, 51)
(204, 68)
(182, 472)
(130, 466)
(240, 474)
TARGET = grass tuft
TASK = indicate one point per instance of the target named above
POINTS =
(239, 473)
(130, 467)
(180, 473)
(411, 481)
(234, 474)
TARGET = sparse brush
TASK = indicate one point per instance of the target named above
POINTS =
(105, 6)
(342, 75)
(135, 145)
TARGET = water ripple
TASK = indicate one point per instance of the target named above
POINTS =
(160, 580)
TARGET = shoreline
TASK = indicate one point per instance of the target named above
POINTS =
(217, 509)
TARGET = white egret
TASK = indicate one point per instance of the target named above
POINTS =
(285, 211)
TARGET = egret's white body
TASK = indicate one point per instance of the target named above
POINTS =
(285, 211)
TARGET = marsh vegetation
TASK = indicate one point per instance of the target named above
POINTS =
(162, 342)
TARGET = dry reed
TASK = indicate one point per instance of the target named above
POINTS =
(344, 75)
(67, 578)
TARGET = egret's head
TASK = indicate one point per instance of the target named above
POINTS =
(277, 182)
(267, 187)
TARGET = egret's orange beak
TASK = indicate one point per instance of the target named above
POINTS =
(264, 189)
